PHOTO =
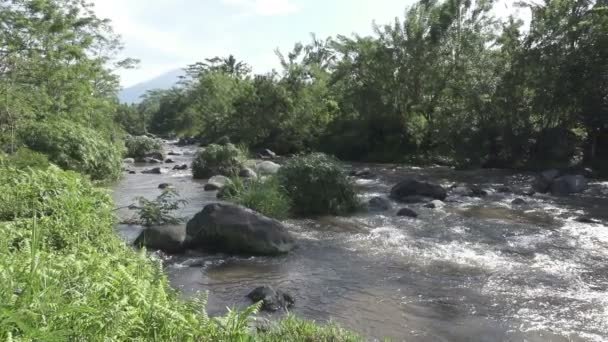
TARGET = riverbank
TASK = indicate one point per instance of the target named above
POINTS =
(66, 275)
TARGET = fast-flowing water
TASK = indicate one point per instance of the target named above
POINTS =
(477, 270)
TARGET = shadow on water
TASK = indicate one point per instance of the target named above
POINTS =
(477, 270)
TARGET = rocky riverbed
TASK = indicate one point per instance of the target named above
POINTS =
(487, 263)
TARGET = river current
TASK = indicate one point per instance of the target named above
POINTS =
(479, 269)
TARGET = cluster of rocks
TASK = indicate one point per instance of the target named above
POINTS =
(558, 184)
(222, 228)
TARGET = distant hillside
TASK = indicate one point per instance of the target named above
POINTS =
(165, 81)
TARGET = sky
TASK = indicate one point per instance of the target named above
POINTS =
(170, 34)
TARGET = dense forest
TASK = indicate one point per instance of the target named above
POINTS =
(449, 81)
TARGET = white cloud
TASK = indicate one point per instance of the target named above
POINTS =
(159, 48)
(264, 7)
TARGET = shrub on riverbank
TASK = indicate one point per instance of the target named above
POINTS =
(74, 147)
(24, 158)
(317, 185)
(215, 160)
(264, 196)
(65, 275)
(139, 147)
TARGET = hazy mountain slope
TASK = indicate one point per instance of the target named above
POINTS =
(164, 81)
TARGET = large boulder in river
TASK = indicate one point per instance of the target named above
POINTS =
(411, 188)
(567, 185)
(406, 212)
(168, 239)
(229, 228)
(272, 300)
(543, 181)
(267, 168)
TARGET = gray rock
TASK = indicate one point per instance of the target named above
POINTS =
(169, 161)
(460, 190)
(518, 201)
(228, 228)
(164, 186)
(154, 171)
(504, 189)
(379, 204)
(272, 300)
(406, 212)
(566, 185)
(364, 174)
(543, 181)
(267, 168)
(128, 160)
(180, 167)
(477, 191)
(587, 219)
(168, 239)
(217, 183)
(131, 172)
(155, 155)
(173, 153)
(267, 154)
(435, 204)
(412, 187)
(247, 173)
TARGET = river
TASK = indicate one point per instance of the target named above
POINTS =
(477, 270)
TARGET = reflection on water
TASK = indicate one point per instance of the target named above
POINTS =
(479, 269)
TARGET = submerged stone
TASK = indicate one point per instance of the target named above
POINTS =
(272, 300)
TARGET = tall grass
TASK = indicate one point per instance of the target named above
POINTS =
(265, 196)
(139, 147)
(75, 147)
(66, 276)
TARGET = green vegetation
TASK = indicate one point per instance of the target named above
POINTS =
(317, 185)
(213, 160)
(447, 80)
(74, 147)
(24, 158)
(160, 211)
(265, 196)
(65, 275)
(139, 147)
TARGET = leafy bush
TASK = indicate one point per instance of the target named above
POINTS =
(216, 160)
(69, 209)
(317, 185)
(74, 147)
(24, 158)
(139, 147)
(160, 211)
(264, 196)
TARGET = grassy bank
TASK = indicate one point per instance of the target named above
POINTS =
(65, 275)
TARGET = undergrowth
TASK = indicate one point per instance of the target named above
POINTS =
(66, 276)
